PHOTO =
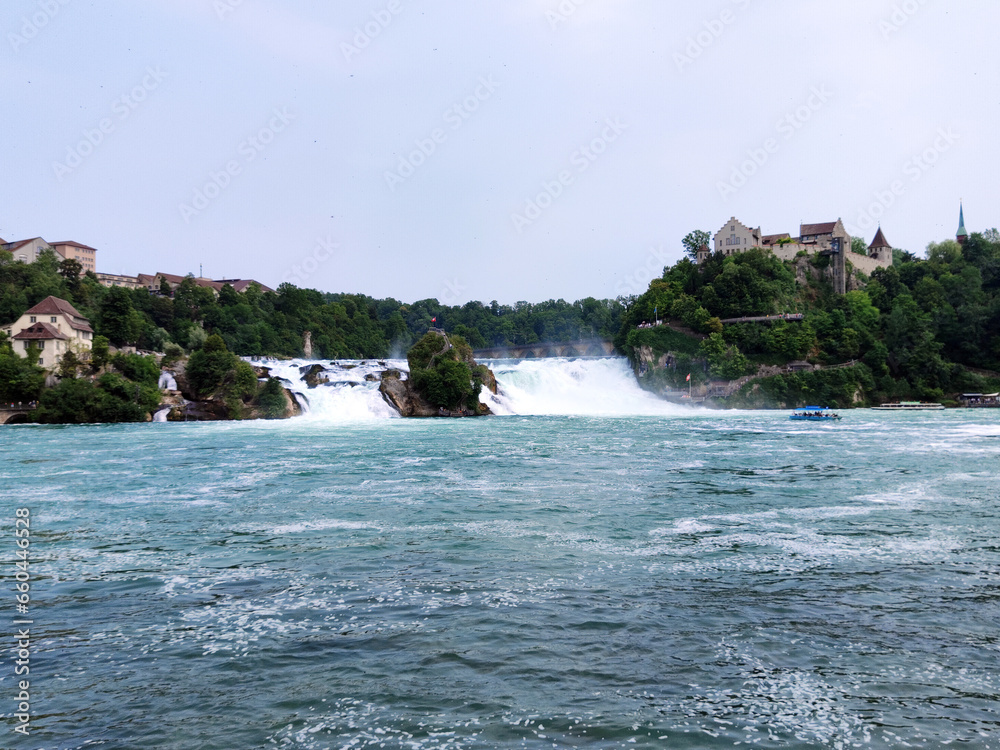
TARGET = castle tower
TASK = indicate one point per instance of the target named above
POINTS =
(962, 235)
(880, 249)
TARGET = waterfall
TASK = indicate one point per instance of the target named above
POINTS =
(161, 415)
(579, 387)
(167, 381)
(584, 387)
(350, 393)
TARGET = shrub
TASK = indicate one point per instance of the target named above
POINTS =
(271, 400)
(443, 376)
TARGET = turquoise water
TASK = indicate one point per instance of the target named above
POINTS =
(698, 580)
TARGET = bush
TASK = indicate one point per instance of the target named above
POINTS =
(20, 380)
(210, 366)
(111, 399)
(444, 377)
(137, 368)
(271, 400)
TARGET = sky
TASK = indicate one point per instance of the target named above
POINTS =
(514, 150)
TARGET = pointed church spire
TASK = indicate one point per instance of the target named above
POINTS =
(962, 234)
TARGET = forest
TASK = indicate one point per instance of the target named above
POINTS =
(257, 323)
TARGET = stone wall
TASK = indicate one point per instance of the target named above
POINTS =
(865, 264)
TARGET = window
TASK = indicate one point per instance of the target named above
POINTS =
(41, 345)
(34, 319)
(52, 319)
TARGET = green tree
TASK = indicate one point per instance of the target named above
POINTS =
(442, 372)
(20, 379)
(99, 352)
(118, 319)
(271, 399)
(209, 367)
(693, 242)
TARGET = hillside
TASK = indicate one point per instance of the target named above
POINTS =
(921, 329)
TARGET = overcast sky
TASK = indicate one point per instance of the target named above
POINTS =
(514, 150)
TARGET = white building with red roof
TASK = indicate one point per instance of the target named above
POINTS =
(54, 327)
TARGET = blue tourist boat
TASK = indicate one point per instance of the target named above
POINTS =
(815, 414)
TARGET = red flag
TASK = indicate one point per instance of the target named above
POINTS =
(434, 320)
(688, 378)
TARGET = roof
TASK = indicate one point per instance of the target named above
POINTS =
(810, 229)
(241, 285)
(12, 246)
(55, 306)
(770, 239)
(171, 278)
(40, 332)
(879, 241)
(961, 222)
(74, 244)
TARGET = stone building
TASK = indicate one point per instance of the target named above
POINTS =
(827, 238)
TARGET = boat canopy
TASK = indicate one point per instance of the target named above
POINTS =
(813, 408)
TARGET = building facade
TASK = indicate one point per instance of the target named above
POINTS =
(53, 327)
(85, 255)
(115, 279)
(27, 251)
(736, 237)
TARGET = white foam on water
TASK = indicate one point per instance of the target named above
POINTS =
(683, 526)
(347, 396)
(542, 387)
(576, 387)
(322, 525)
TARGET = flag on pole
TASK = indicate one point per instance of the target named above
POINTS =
(434, 320)
(688, 378)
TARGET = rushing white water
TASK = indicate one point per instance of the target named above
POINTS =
(167, 381)
(586, 387)
(557, 386)
(161, 415)
(349, 393)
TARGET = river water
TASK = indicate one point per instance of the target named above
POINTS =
(594, 569)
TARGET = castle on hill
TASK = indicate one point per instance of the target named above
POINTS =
(828, 238)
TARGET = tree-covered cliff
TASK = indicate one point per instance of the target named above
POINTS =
(922, 328)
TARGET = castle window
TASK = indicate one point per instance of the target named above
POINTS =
(34, 319)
